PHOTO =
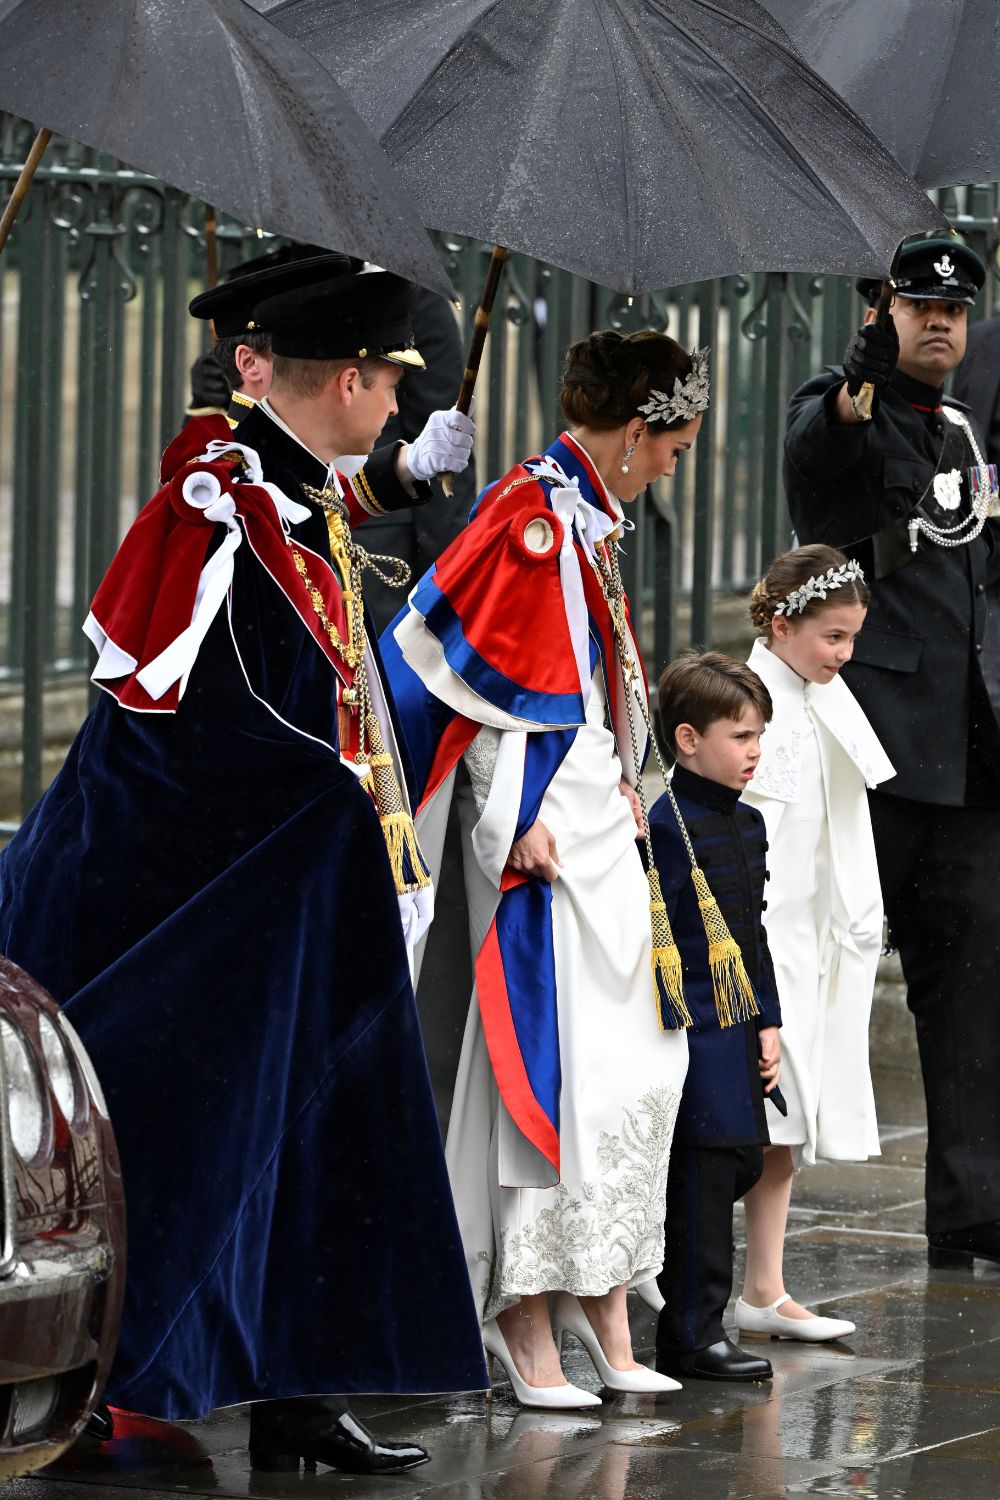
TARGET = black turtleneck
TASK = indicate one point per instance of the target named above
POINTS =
(710, 794)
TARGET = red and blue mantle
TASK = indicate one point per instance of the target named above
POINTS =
(487, 638)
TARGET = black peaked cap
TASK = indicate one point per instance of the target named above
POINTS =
(938, 267)
(348, 317)
(231, 304)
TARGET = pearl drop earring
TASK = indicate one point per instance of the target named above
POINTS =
(628, 454)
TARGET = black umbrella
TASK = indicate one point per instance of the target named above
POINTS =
(921, 73)
(209, 96)
(641, 143)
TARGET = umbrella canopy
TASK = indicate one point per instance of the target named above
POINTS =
(921, 73)
(638, 142)
(209, 96)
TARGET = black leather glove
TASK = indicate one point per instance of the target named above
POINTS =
(871, 357)
(208, 384)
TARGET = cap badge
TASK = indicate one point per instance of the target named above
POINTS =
(944, 266)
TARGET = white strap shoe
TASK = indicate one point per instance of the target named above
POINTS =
(767, 1322)
(570, 1317)
(554, 1397)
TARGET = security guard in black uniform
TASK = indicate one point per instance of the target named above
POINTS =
(909, 495)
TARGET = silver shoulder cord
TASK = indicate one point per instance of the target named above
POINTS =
(958, 535)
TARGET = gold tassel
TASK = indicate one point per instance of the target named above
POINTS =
(735, 1000)
(401, 842)
(665, 959)
(397, 825)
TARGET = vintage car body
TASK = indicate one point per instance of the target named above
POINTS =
(62, 1230)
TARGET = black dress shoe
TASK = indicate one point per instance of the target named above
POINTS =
(317, 1429)
(721, 1361)
(101, 1424)
(960, 1247)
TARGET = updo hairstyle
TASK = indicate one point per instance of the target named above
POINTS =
(608, 376)
(790, 571)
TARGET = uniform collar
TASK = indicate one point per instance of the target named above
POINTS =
(278, 446)
(240, 406)
(917, 393)
(709, 793)
(305, 463)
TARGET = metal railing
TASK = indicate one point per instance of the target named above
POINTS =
(96, 346)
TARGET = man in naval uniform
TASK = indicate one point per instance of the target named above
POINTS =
(908, 494)
(396, 475)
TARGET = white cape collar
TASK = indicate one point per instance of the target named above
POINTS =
(832, 705)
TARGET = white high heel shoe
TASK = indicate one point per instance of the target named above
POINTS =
(571, 1318)
(555, 1397)
(650, 1294)
(768, 1322)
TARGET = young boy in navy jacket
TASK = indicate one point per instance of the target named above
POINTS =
(713, 711)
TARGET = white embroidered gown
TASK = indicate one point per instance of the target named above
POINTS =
(601, 1225)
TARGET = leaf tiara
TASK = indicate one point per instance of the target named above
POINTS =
(688, 398)
(818, 588)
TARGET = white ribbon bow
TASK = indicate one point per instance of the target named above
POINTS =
(203, 492)
(590, 525)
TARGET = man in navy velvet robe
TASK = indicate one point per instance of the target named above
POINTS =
(206, 888)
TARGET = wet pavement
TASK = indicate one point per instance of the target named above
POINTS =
(909, 1408)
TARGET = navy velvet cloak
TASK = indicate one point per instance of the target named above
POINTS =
(209, 896)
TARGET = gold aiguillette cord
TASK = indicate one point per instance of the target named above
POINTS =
(734, 997)
(409, 868)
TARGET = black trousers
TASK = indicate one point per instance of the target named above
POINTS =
(703, 1183)
(939, 869)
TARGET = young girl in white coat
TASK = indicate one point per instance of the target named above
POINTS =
(824, 906)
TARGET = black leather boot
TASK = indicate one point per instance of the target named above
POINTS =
(319, 1429)
(721, 1361)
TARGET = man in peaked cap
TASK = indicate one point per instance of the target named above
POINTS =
(240, 884)
(396, 475)
(909, 495)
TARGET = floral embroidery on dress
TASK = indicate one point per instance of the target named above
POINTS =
(601, 1237)
(777, 774)
(480, 761)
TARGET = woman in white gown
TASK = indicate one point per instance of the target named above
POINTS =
(824, 908)
(571, 1069)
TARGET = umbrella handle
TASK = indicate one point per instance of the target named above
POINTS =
(480, 329)
(23, 183)
(866, 396)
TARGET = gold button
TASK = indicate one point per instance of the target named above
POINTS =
(362, 353)
(251, 324)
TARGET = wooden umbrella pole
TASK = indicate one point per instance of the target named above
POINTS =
(866, 395)
(211, 248)
(22, 184)
(480, 329)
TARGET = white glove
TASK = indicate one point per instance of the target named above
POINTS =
(444, 446)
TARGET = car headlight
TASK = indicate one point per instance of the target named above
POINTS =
(62, 1075)
(86, 1066)
(25, 1100)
